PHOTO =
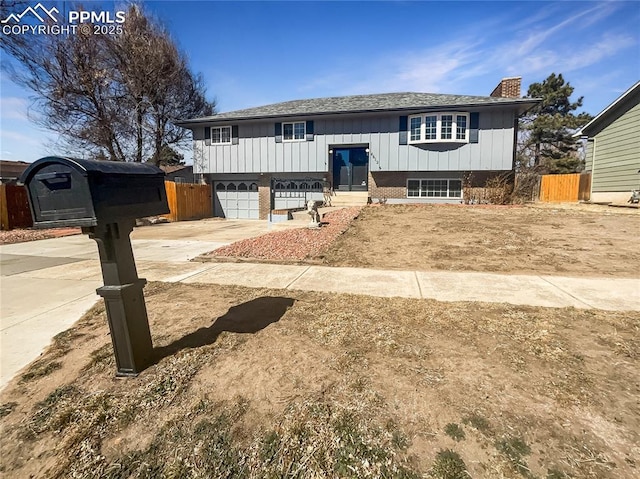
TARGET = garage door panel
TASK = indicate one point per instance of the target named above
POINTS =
(285, 203)
(234, 202)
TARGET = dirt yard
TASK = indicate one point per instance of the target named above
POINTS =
(577, 240)
(256, 383)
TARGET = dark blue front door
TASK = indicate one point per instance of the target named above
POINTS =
(350, 168)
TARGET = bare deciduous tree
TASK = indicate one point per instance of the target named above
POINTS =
(110, 96)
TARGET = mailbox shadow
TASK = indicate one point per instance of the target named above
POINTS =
(249, 317)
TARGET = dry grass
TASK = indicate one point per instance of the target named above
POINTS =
(266, 383)
(562, 240)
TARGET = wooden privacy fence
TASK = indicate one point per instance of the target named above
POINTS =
(188, 201)
(565, 188)
(14, 207)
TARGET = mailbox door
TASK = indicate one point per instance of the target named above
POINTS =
(60, 196)
(128, 196)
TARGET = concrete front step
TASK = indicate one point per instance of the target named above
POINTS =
(350, 198)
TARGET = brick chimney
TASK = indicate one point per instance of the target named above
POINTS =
(508, 88)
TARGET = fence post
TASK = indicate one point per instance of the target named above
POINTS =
(272, 198)
(4, 210)
(584, 193)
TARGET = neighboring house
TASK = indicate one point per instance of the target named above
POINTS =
(613, 149)
(10, 171)
(178, 173)
(396, 147)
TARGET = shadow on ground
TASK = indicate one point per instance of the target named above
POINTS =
(249, 317)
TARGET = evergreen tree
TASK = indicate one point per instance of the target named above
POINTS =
(546, 141)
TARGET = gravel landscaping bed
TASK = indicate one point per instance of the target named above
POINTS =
(23, 235)
(296, 244)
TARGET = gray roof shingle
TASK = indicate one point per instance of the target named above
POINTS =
(362, 103)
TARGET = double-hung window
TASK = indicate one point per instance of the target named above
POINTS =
(446, 127)
(416, 128)
(461, 127)
(439, 127)
(434, 188)
(293, 131)
(431, 127)
(220, 135)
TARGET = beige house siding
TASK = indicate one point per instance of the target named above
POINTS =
(613, 155)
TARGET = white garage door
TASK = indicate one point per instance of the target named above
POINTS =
(296, 193)
(237, 199)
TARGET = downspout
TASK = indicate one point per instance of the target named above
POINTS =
(593, 166)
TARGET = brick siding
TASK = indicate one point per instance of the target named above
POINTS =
(264, 196)
(393, 184)
(390, 184)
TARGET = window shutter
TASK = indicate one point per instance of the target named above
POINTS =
(278, 132)
(207, 135)
(309, 130)
(234, 134)
(474, 122)
(402, 130)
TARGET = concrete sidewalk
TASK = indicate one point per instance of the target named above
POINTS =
(548, 291)
(47, 285)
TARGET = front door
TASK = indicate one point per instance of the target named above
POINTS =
(350, 168)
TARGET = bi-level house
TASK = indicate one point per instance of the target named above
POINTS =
(396, 147)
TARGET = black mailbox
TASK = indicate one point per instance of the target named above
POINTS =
(105, 198)
(74, 192)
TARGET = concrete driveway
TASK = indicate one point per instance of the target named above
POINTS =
(46, 285)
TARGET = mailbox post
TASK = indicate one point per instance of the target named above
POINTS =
(123, 297)
(104, 198)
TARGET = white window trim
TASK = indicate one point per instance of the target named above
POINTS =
(448, 197)
(293, 125)
(439, 139)
(221, 128)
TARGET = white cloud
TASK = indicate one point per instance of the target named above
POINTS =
(26, 144)
(566, 57)
(529, 44)
(544, 41)
(538, 48)
(13, 108)
(434, 69)
(599, 49)
(15, 136)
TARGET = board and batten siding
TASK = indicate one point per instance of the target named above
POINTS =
(258, 152)
(617, 154)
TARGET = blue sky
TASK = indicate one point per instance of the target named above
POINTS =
(256, 53)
